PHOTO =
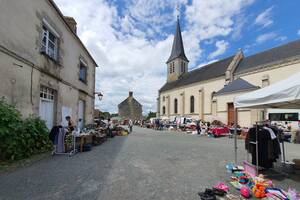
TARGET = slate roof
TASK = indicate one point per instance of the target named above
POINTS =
(212, 70)
(129, 100)
(177, 48)
(277, 54)
(236, 86)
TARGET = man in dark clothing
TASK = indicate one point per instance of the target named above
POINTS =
(198, 128)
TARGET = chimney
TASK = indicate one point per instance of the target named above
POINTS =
(71, 23)
(130, 93)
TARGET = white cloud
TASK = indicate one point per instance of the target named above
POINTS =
(281, 38)
(265, 37)
(213, 18)
(298, 32)
(264, 18)
(221, 48)
(131, 47)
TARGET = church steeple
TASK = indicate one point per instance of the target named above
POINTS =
(177, 62)
(177, 48)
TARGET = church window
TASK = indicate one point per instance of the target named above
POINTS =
(164, 110)
(192, 104)
(175, 106)
(182, 67)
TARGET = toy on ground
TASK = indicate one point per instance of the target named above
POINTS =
(221, 186)
(259, 190)
(244, 191)
(242, 177)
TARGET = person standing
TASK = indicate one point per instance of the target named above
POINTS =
(130, 124)
(71, 125)
(109, 127)
(198, 127)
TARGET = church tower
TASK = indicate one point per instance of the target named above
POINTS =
(177, 62)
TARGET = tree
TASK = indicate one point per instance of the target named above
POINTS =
(151, 115)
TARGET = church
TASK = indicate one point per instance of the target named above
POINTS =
(208, 92)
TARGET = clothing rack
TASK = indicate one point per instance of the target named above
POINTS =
(256, 143)
(72, 152)
(257, 123)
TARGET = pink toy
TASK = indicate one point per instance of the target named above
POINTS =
(222, 186)
(244, 191)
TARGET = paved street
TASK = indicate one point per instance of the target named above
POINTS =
(144, 165)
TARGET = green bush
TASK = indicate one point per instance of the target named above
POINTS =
(21, 138)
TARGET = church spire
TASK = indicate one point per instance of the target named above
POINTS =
(177, 48)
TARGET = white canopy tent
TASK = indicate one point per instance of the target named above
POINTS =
(283, 94)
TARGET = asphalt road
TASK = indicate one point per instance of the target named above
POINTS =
(144, 165)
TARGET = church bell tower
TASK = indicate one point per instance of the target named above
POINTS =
(177, 62)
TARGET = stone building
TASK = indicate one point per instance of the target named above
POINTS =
(208, 92)
(130, 108)
(44, 67)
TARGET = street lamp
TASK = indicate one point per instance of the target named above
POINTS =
(99, 94)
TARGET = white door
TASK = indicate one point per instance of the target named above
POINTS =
(46, 109)
(81, 105)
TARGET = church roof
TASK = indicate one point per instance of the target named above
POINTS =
(177, 48)
(274, 55)
(212, 70)
(237, 85)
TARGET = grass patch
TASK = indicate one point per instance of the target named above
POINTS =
(8, 166)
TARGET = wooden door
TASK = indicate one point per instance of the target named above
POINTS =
(230, 110)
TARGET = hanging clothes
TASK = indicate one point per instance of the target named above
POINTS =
(61, 141)
(268, 146)
(53, 135)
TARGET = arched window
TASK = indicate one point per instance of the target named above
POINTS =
(164, 110)
(175, 106)
(192, 104)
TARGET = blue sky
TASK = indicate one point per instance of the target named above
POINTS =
(131, 39)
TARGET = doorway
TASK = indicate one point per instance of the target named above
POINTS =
(46, 109)
(230, 111)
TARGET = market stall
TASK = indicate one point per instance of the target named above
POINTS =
(246, 179)
(283, 94)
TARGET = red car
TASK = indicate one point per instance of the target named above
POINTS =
(219, 131)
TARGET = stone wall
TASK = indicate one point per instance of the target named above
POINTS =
(24, 69)
(130, 108)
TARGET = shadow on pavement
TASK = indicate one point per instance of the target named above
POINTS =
(61, 177)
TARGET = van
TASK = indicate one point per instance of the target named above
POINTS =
(284, 117)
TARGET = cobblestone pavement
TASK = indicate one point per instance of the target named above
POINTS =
(144, 165)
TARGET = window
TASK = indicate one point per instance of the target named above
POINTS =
(192, 104)
(182, 67)
(49, 43)
(283, 116)
(47, 93)
(170, 69)
(164, 98)
(164, 110)
(83, 73)
(175, 106)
